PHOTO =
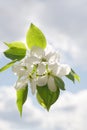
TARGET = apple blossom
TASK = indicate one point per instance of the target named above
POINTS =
(39, 68)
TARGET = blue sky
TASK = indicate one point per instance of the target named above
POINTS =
(64, 24)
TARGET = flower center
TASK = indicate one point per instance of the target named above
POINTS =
(43, 60)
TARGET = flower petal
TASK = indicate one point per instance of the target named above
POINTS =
(33, 85)
(42, 81)
(51, 84)
(32, 60)
(21, 83)
(37, 52)
(63, 70)
(53, 57)
(53, 68)
(18, 69)
(41, 69)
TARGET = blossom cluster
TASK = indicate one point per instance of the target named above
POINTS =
(39, 68)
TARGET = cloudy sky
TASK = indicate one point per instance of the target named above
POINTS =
(64, 24)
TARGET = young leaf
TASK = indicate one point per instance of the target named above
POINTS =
(15, 53)
(59, 83)
(73, 76)
(46, 97)
(7, 66)
(76, 77)
(17, 50)
(21, 98)
(40, 100)
(35, 37)
(17, 44)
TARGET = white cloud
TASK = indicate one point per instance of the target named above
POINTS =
(69, 113)
(72, 51)
(64, 23)
(2, 49)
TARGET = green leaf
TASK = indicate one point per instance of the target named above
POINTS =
(17, 50)
(21, 97)
(59, 83)
(46, 97)
(76, 76)
(40, 100)
(15, 53)
(17, 44)
(7, 65)
(35, 37)
(73, 76)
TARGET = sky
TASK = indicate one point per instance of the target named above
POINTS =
(64, 24)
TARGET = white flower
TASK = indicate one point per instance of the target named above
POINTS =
(39, 68)
(42, 56)
(57, 70)
(24, 70)
(53, 70)
(48, 79)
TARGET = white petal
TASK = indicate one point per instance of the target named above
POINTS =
(53, 57)
(32, 60)
(51, 84)
(21, 83)
(15, 68)
(27, 53)
(38, 52)
(41, 69)
(33, 85)
(19, 70)
(53, 68)
(63, 70)
(42, 81)
(49, 55)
